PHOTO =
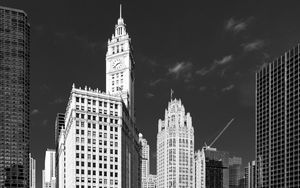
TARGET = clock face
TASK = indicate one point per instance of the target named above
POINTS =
(116, 64)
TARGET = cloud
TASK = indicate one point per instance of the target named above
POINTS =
(255, 45)
(224, 60)
(45, 122)
(228, 88)
(57, 101)
(179, 68)
(155, 82)
(202, 88)
(236, 25)
(149, 95)
(219, 62)
(35, 111)
(202, 71)
(82, 40)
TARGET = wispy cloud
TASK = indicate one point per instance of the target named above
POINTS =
(149, 95)
(254, 45)
(35, 111)
(45, 122)
(218, 62)
(82, 40)
(202, 88)
(224, 60)
(57, 101)
(236, 25)
(155, 82)
(179, 68)
(228, 88)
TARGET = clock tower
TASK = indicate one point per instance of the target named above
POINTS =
(120, 66)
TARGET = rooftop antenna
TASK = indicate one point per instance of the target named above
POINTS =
(120, 10)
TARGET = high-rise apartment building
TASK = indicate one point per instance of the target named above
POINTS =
(235, 173)
(175, 148)
(14, 98)
(277, 122)
(32, 172)
(200, 172)
(49, 178)
(99, 146)
(250, 175)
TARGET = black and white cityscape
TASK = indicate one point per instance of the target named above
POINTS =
(116, 94)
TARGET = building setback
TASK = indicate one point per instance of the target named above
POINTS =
(14, 98)
(99, 146)
(277, 122)
(175, 148)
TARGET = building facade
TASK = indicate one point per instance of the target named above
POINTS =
(250, 175)
(277, 122)
(145, 155)
(148, 180)
(200, 171)
(235, 171)
(99, 146)
(175, 148)
(14, 98)
(59, 126)
(217, 168)
(32, 172)
(49, 178)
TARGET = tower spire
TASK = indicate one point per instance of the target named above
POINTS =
(120, 10)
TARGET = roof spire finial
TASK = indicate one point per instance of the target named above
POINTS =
(120, 10)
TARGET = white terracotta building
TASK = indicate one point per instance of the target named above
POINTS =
(175, 148)
(99, 147)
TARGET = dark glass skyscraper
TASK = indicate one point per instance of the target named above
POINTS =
(14, 98)
(277, 122)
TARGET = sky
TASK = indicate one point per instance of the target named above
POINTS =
(206, 51)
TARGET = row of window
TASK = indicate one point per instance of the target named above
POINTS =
(94, 102)
(96, 118)
(94, 126)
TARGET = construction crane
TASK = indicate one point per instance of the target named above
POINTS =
(227, 125)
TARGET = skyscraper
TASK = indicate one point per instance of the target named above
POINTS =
(14, 98)
(99, 145)
(49, 179)
(175, 148)
(277, 122)
(217, 164)
(148, 180)
(250, 175)
(235, 173)
(32, 172)
(145, 155)
(200, 171)
(59, 126)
